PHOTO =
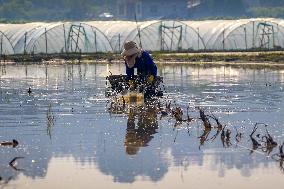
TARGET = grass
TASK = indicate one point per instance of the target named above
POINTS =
(274, 58)
(277, 57)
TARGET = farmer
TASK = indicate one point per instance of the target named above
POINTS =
(137, 58)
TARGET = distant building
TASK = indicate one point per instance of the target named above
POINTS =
(193, 3)
(151, 9)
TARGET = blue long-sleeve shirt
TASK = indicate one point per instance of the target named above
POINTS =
(145, 66)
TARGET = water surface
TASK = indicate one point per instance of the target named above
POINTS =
(69, 139)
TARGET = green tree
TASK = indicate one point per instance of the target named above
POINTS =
(42, 10)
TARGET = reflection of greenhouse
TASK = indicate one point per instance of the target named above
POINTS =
(156, 35)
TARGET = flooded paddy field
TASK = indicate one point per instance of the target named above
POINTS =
(69, 137)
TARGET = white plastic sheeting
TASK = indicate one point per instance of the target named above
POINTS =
(155, 35)
(169, 36)
(242, 34)
(5, 46)
(117, 32)
(69, 37)
(54, 38)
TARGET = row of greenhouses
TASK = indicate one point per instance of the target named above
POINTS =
(155, 35)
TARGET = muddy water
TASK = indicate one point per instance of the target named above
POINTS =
(69, 139)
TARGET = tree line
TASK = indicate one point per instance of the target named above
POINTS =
(239, 9)
(54, 10)
(49, 10)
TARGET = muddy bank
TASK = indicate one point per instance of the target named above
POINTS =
(269, 58)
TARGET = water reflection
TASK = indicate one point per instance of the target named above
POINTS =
(65, 120)
(141, 134)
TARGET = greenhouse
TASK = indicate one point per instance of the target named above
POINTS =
(240, 34)
(155, 35)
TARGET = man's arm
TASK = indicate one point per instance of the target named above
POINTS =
(151, 66)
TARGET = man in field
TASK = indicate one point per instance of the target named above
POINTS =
(139, 59)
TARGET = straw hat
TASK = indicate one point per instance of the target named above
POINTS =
(130, 48)
(130, 52)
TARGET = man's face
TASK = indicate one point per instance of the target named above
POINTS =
(129, 57)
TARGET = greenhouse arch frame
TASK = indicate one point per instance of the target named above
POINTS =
(3, 46)
(155, 35)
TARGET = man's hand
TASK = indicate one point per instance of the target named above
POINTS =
(131, 84)
(150, 79)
